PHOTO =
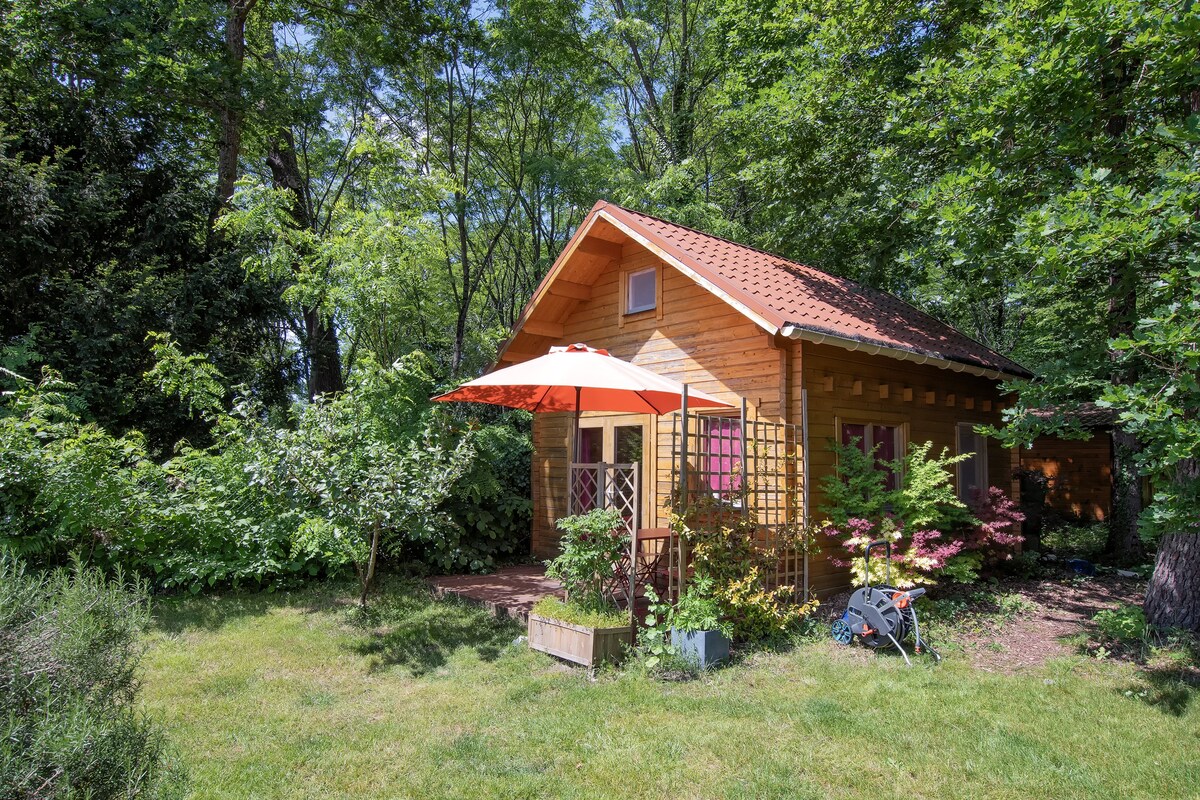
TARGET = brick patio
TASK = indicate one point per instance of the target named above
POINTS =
(510, 591)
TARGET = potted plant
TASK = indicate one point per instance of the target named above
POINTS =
(586, 628)
(697, 630)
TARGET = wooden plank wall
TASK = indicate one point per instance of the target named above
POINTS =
(929, 401)
(1080, 473)
(699, 339)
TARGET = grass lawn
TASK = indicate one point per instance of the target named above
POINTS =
(292, 696)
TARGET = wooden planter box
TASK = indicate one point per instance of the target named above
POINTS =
(577, 644)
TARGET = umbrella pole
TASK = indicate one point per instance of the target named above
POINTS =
(573, 455)
(575, 431)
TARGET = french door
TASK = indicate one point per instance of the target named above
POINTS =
(611, 467)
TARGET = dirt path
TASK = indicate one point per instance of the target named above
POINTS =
(1058, 610)
(1030, 626)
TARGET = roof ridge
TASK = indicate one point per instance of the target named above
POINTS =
(851, 281)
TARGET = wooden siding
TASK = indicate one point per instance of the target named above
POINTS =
(859, 387)
(693, 337)
(1080, 473)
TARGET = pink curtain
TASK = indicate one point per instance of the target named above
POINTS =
(882, 439)
(591, 451)
(852, 432)
(724, 448)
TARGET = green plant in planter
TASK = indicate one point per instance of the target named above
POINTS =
(723, 549)
(699, 610)
(592, 545)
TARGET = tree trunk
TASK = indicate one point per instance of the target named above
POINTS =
(368, 575)
(1033, 504)
(231, 114)
(324, 361)
(1124, 543)
(321, 341)
(1173, 597)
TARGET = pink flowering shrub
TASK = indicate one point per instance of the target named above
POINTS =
(934, 535)
(997, 534)
(927, 553)
(914, 557)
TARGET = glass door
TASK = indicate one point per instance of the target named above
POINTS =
(611, 470)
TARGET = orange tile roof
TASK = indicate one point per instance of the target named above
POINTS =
(785, 293)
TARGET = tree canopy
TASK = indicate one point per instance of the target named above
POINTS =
(302, 191)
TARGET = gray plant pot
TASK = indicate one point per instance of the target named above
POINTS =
(705, 648)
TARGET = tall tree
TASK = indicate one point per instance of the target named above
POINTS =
(110, 200)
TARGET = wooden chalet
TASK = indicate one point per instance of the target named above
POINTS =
(805, 357)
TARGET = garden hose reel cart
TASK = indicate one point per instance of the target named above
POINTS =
(882, 615)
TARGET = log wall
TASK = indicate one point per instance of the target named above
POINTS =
(1080, 473)
(928, 402)
(692, 337)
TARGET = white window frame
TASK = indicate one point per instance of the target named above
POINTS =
(979, 463)
(630, 308)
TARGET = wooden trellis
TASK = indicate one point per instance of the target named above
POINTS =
(604, 485)
(751, 466)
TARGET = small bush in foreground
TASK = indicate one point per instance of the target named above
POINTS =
(592, 544)
(1125, 624)
(69, 655)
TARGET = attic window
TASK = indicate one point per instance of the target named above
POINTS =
(641, 291)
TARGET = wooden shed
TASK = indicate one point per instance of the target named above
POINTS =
(813, 358)
(1078, 472)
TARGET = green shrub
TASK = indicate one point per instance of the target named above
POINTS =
(1125, 624)
(699, 610)
(1066, 537)
(933, 533)
(69, 724)
(591, 546)
(491, 504)
(654, 651)
(378, 469)
(724, 550)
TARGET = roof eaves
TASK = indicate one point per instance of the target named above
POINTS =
(816, 335)
(551, 274)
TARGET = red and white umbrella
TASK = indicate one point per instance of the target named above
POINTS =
(580, 378)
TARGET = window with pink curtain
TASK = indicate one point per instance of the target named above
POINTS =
(591, 451)
(882, 439)
(723, 448)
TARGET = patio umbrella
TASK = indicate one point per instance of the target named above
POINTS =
(580, 378)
